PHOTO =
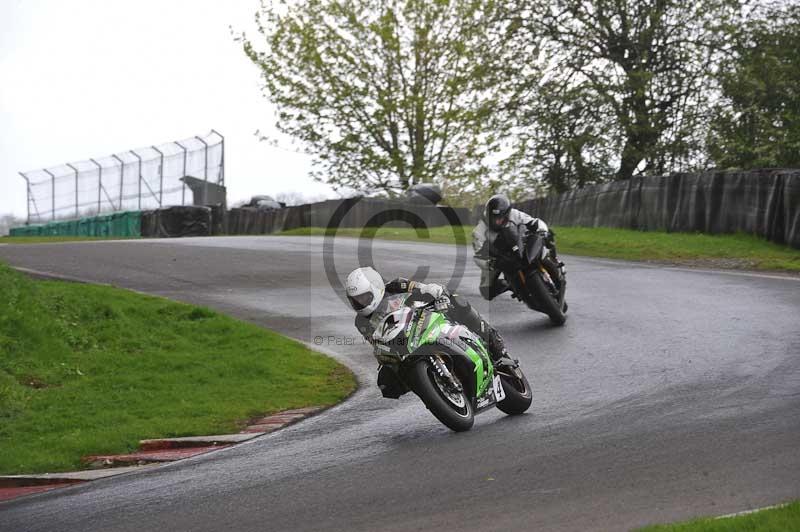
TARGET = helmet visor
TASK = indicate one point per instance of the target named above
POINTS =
(361, 300)
(498, 220)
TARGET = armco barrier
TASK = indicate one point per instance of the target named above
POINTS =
(765, 203)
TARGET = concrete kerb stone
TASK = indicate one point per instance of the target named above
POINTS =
(281, 419)
(195, 441)
(262, 429)
(144, 457)
(71, 477)
(14, 486)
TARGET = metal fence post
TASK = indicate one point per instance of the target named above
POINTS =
(76, 190)
(28, 193)
(99, 184)
(52, 193)
(140, 177)
(59, 205)
(160, 178)
(205, 168)
(205, 157)
(121, 178)
(183, 190)
(221, 178)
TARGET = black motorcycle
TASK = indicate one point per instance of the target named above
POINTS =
(534, 277)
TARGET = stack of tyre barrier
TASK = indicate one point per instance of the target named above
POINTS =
(765, 203)
(351, 212)
(177, 222)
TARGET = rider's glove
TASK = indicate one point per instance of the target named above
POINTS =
(431, 289)
(442, 304)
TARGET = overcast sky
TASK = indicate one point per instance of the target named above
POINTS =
(88, 78)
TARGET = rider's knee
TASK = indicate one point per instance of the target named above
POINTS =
(487, 293)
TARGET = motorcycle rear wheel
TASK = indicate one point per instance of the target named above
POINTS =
(453, 410)
(548, 303)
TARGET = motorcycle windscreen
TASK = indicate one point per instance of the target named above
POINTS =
(533, 248)
(510, 237)
(393, 325)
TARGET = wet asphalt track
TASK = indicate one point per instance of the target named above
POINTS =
(668, 394)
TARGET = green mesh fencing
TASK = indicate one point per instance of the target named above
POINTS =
(122, 224)
(126, 224)
(28, 230)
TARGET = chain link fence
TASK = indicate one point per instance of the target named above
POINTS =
(145, 178)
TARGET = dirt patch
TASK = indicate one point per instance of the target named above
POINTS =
(32, 381)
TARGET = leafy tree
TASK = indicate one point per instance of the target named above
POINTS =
(383, 93)
(757, 121)
(562, 144)
(624, 84)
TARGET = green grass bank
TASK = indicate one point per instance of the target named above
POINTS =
(782, 519)
(737, 251)
(93, 369)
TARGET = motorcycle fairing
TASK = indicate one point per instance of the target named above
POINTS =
(439, 331)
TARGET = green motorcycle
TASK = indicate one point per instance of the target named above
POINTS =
(447, 365)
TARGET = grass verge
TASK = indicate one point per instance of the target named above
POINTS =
(438, 235)
(727, 251)
(91, 369)
(783, 519)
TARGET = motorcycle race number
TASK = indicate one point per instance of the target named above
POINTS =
(499, 392)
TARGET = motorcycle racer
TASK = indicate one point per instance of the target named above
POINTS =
(497, 214)
(366, 291)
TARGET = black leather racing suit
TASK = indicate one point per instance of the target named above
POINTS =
(491, 285)
(459, 311)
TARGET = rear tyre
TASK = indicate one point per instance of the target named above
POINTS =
(517, 389)
(546, 300)
(453, 409)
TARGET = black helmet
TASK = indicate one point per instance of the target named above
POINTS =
(496, 211)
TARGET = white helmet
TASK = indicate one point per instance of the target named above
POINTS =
(365, 290)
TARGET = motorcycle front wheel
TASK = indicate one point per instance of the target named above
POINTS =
(517, 389)
(546, 300)
(453, 409)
